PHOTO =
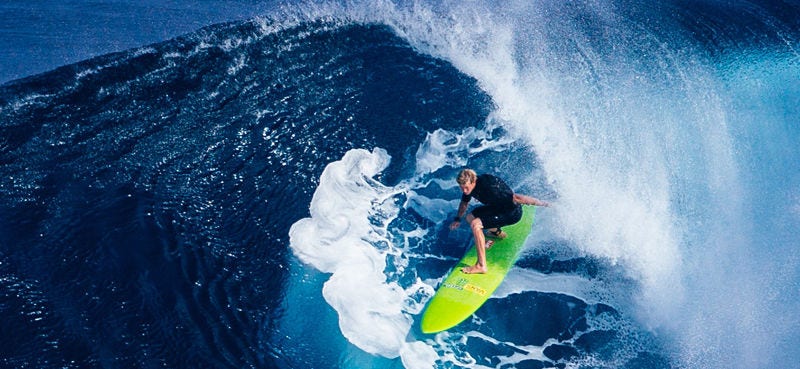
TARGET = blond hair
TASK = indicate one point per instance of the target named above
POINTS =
(467, 176)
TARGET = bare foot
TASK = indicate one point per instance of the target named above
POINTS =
(475, 269)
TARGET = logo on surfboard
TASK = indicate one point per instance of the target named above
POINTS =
(462, 284)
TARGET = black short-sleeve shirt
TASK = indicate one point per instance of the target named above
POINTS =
(491, 191)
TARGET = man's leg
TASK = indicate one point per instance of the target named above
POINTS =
(480, 245)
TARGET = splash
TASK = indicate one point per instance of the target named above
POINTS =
(640, 135)
(349, 212)
(611, 170)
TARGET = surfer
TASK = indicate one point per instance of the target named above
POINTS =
(501, 206)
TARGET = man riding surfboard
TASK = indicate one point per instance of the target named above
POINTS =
(501, 206)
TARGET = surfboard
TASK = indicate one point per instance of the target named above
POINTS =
(460, 294)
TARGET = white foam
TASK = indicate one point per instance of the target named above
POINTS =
(435, 210)
(334, 240)
(443, 148)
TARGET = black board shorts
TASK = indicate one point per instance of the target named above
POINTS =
(495, 216)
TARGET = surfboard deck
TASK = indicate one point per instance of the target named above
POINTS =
(460, 294)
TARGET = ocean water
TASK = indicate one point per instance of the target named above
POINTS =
(272, 190)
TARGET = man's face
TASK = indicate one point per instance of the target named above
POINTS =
(467, 188)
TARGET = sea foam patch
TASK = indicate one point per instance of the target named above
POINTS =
(349, 213)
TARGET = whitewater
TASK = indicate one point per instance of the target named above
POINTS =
(274, 192)
(653, 143)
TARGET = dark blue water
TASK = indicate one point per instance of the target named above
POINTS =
(41, 35)
(272, 192)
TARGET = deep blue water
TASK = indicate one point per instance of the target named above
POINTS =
(41, 35)
(272, 192)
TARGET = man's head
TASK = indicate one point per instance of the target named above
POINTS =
(466, 180)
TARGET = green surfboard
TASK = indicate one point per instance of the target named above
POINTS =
(461, 294)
